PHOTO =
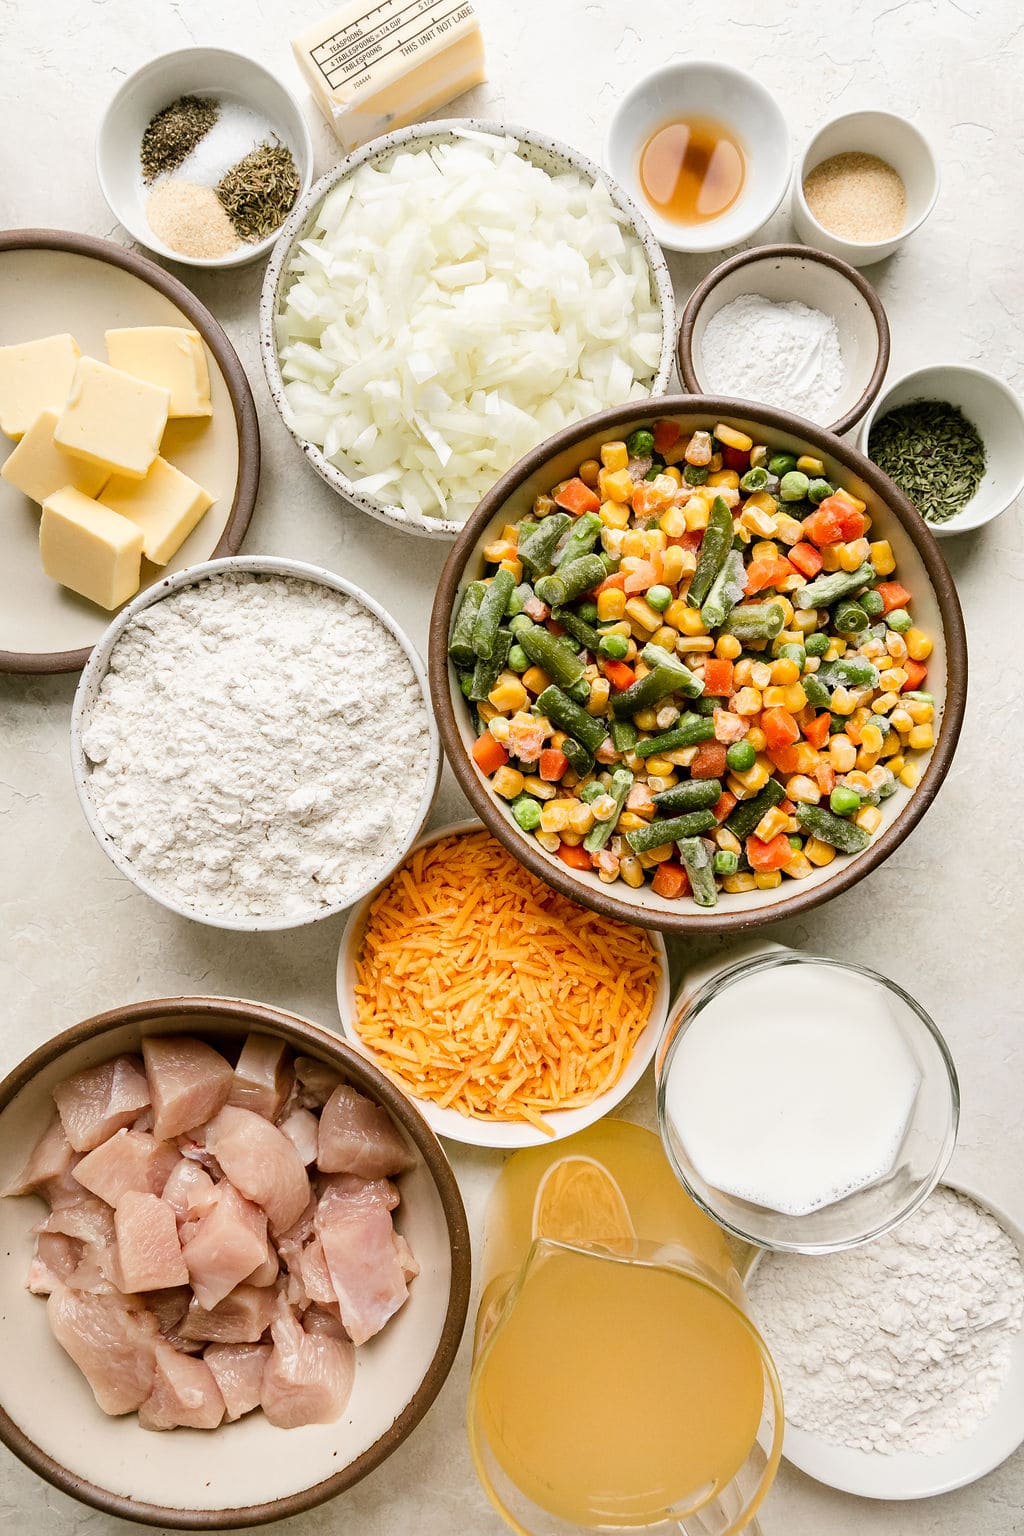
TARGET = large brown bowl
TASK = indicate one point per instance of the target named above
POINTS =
(245, 1473)
(919, 564)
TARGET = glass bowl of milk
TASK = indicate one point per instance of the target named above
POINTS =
(808, 1105)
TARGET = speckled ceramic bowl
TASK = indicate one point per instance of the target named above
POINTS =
(546, 152)
(920, 565)
(248, 1472)
(387, 858)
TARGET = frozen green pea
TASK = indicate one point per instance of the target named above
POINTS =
(518, 661)
(527, 813)
(899, 620)
(795, 485)
(782, 464)
(818, 490)
(614, 646)
(659, 597)
(843, 800)
(640, 442)
(740, 756)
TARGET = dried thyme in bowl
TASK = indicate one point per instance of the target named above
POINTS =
(933, 453)
(173, 134)
(258, 192)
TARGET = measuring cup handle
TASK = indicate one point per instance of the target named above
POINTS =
(696, 1526)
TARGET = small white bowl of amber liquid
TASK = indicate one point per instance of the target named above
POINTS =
(704, 149)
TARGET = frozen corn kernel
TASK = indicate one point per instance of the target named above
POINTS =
(604, 808)
(508, 694)
(842, 753)
(673, 522)
(735, 885)
(728, 841)
(535, 679)
(909, 775)
(724, 479)
(615, 455)
(549, 841)
(882, 558)
(868, 818)
(920, 711)
(631, 872)
(600, 690)
(799, 867)
(611, 605)
(696, 514)
(673, 565)
(508, 783)
(760, 674)
(615, 485)
(803, 788)
(921, 738)
(699, 450)
(640, 612)
(727, 647)
(615, 514)
(785, 671)
(589, 471)
(499, 728)
(919, 646)
(539, 788)
(554, 816)
(768, 879)
(732, 438)
(747, 702)
(819, 853)
(757, 738)
(772, 822)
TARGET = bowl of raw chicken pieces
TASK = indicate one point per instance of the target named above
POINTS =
(234, 1263)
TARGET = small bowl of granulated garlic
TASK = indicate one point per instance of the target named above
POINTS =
(865, 182)
(202, 154)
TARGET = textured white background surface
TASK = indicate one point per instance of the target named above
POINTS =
(943, 915)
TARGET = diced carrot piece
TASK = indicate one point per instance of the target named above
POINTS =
(616, 582)
(786, 806)
(823, 527)
(785, 758)
(619, 675)
(775, 854)
(916, 672)
(709, 762)
(853, 523)
(691, 540)
(670, 880)
(718, 677)
(766, 573)
(666, 434)
(576, 858)
(735, 458)
(643, 575)
(779, 727)
(577, 498)
(806, 559)
(553, 764)
(488, 754)
(853, 731)
(893, 594)
(724, 805)
(646, 500)
(825, 776)
(816, 730)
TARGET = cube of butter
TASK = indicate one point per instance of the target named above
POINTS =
(89, 548)
(113, 419)
(38, 467)
(35, 376)
(166, 506)
(168, 355)
(375, 68)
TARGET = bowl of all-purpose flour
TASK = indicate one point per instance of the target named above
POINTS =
(902, 1361)
(252, 745)
(789, 327)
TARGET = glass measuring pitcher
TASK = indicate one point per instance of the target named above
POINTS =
(618, 1384)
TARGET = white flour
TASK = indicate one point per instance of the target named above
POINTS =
(902, 1344)
(259, 746)
(785, 355)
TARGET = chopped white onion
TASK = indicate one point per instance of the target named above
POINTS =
(451, 310)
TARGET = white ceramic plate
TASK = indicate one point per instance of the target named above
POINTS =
(499, 1133)
(910, 1474)
(89, 686)
(551, 155)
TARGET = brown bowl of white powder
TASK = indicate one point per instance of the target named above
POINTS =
(251, 743)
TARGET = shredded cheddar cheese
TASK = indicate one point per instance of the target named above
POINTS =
(480, 989)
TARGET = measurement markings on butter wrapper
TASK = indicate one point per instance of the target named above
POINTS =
(346, 54)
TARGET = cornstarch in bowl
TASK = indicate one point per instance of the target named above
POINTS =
(253, 748)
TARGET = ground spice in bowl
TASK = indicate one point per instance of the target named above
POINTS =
(189, 219)
(857, 196)
(173, 134)
(933, 453)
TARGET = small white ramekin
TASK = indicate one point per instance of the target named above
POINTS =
(893, 139)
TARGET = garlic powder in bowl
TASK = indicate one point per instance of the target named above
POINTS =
(251, 743)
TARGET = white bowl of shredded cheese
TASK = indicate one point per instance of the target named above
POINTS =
(252, 745)
(448, 297)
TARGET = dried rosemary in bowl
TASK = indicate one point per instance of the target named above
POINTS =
(258, 193)
(933, 453)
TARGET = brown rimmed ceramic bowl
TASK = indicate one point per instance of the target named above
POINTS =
(248, 1472)
(819, 280)
(919, 564)
(54, 280)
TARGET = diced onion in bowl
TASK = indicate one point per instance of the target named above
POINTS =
(452, 308)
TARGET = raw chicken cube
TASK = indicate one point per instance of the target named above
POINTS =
(169, 1307)
(308, 1378)
(266, 1273)
(112, 1343)
(185, 1393)
(238, 1372)
(406, 1257)
(189, 1191)
(358, 1136)
(51, 1158)
(263, 1076)
(147, 1243)
(315, 1081)
(302, 1129)
(243, 1317)
(354, 1224)
(226, 1246)
(261, 1163)
(129, 1160)
(55, 1260)
(189, 1081)
(95, 1103)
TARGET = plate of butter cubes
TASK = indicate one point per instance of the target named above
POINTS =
(129, 446)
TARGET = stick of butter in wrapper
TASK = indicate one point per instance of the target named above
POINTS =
(372, 68)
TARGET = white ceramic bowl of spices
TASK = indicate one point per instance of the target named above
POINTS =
(865, 182)
(201, 155)
(952, 439)
(252, 745)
